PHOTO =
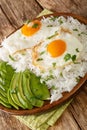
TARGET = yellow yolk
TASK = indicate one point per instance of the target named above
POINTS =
(31, 28)
(56, 48)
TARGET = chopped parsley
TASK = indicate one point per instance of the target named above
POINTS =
(39, 59)
(67, 57)
(75, 29)
(50, 26)
(82, 33)
(35, 25)
(76, 62)
(54, 64)
(79, 34)
(53, 88)
(60, 21)
(41, 53)
(70, 57)
(11, 58)
(53, 18)
(61, 74)
(50, 71)
(77, 79)
(73, 58)
(56, 33)
(77, 50)
(49, 77)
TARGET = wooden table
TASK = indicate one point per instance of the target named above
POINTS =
(12, 14)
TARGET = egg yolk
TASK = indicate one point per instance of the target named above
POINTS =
(31, 28)
(56, 48)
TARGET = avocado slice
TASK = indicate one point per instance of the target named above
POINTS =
(4, 100)
(11, 101)
(5, 104)
(21, 95)
(27, 91)
(1, 86)
(39, 89)
(6, 73)
(3, 92)
(14, 90)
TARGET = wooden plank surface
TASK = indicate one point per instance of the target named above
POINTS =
(12, 15)
(5, 26)
(70, 6)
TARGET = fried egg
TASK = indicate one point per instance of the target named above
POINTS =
(51, 46)
(36, 32)
(28, 36)
(56, 52)
(31, 28)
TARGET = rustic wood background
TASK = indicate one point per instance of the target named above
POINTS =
(70, 6)
(12, 15)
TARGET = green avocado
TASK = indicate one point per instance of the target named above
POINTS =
(6, 73)
(11, 101)
(14, 90)
(39, 89)
(27, 91)
(4, 100)
(21, 90)
(21, 95)
(3, 92)
(5, 104)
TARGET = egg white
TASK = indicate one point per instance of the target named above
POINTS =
(42, 58)
(18, 41)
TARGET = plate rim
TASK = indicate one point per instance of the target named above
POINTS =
(66, 95)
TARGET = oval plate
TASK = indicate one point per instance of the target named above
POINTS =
(66, 95)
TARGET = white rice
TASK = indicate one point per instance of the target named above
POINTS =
(65, 78)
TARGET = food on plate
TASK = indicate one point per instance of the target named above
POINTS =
(6, 73)
(21, 94)
(31, 28)
(47, 57)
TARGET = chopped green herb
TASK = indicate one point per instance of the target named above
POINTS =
(61, 74)
(60, 21)
(83, 33)
(50, 77)
(79, 34)
(35, 25)
(75, 29)
(50, 71)
(77, 79)
(53, 88)
(50, 26)
(76, 62)
(56, 33)
(39, 59)
(54, 64)
(73, 58)
(42, 52)
(11, 58)
(67, 57)
(77, 50)
(53, 18)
